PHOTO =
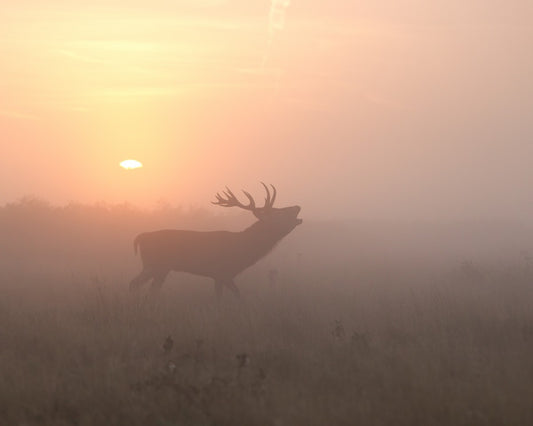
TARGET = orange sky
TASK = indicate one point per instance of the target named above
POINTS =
(367, 109)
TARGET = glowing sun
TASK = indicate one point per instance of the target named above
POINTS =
(131, 164)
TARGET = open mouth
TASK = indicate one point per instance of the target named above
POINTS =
(296, 210)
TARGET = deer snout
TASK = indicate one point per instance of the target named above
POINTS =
(296, 211)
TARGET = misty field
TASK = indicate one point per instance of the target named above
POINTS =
(326, 342)
(304, 353)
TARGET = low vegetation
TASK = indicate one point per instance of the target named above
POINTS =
(309, 344)
(304, 353)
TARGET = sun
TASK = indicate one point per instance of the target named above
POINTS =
(131, 164)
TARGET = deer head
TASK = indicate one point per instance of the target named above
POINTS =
(281, 219)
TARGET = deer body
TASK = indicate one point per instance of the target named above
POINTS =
(220, 255)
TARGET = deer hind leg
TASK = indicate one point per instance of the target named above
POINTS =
(140, 279)
(157, 282)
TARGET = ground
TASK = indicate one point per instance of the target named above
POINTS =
(452, 347)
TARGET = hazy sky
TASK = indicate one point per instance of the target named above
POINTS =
(384, 108)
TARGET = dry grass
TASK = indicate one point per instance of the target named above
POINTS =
(379, 349)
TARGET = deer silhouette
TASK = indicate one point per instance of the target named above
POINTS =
(220, 255)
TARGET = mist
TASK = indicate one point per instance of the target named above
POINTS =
(332, 224)
(338, 311)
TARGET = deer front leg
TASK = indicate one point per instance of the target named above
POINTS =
(231, 285)
(219, 286)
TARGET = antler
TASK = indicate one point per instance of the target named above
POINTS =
(232, 201)
(269, 201)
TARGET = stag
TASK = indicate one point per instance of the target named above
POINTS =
(220, 255)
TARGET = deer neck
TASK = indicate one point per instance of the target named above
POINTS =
(263, 236)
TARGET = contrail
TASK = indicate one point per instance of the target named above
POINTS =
(276, 23)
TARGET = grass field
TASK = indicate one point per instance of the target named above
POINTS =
(383, 347)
